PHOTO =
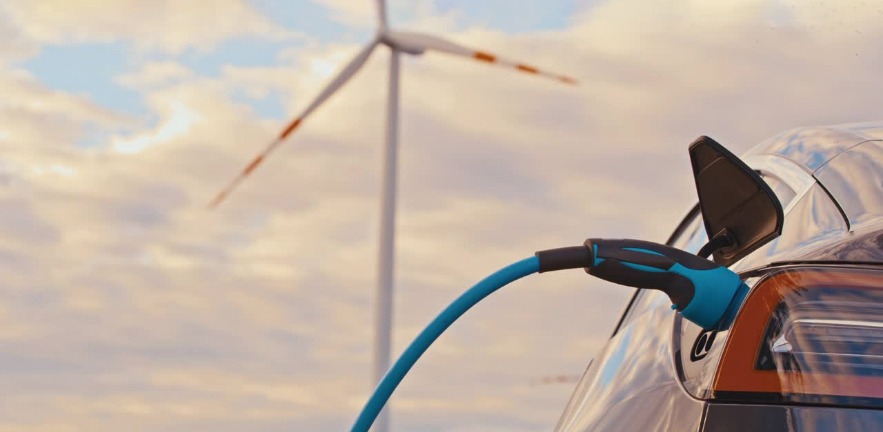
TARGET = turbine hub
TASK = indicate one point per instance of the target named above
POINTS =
(396, 42)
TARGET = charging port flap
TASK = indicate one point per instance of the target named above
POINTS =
(739, 209)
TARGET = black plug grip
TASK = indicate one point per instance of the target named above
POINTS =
(565, 258)
(700, 289)
(643, 264)
(647, 253)
(679, 289)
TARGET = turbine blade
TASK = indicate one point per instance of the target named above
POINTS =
(342, 77)
(419, 42)
(381, 14)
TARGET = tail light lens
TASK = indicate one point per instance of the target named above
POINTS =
(812, 335)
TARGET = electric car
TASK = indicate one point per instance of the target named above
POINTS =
(805, 350)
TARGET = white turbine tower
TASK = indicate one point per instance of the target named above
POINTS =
(398, 42)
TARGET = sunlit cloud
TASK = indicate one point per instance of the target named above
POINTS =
(55, 169)
(179, 120)
(127, 305)
(322, 68)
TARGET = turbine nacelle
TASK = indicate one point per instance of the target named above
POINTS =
(406, 42)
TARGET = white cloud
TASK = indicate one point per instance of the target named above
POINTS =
(124, 298)
(178, 120)
(40, 127)
(24, 94)
(13, 45)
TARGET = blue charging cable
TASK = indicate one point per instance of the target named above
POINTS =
(700, 290)
(441, 323)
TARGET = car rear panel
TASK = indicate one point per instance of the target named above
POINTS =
(772, 418)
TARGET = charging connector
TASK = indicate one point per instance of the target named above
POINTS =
(702, 291)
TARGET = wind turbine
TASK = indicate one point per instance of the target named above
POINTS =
(398, 42)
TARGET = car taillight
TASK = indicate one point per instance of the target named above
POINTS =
(812, 335)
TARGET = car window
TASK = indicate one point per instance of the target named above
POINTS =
(693, 237)
(811, 219)
(783, 192)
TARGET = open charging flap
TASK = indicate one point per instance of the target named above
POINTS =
(740, 211)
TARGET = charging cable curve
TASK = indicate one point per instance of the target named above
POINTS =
(397, 372)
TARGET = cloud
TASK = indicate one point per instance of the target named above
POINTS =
(41, 127)
(24, 94)
(165, 26)
(124, 298)
(178, 121)
(13, 45)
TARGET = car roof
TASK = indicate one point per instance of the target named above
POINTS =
(813, 147)
(846, 159)
(864, 246)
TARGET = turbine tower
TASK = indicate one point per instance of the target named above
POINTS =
(398, 42)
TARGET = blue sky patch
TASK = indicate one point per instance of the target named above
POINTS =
(241, 52)
(511, 16)
(88, 69)
(307, 17)
(269, 106)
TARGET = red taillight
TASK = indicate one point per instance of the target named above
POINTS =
(808, 336)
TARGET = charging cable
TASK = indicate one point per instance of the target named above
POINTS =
(700, 290)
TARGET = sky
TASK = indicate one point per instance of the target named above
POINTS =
(126, 304)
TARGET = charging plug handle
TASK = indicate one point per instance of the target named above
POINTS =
(698, 288)
(642, 264)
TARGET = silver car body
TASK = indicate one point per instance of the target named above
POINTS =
(830, 183)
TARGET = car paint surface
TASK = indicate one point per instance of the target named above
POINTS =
(813, 147)
(635, 370)
(855, 177)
